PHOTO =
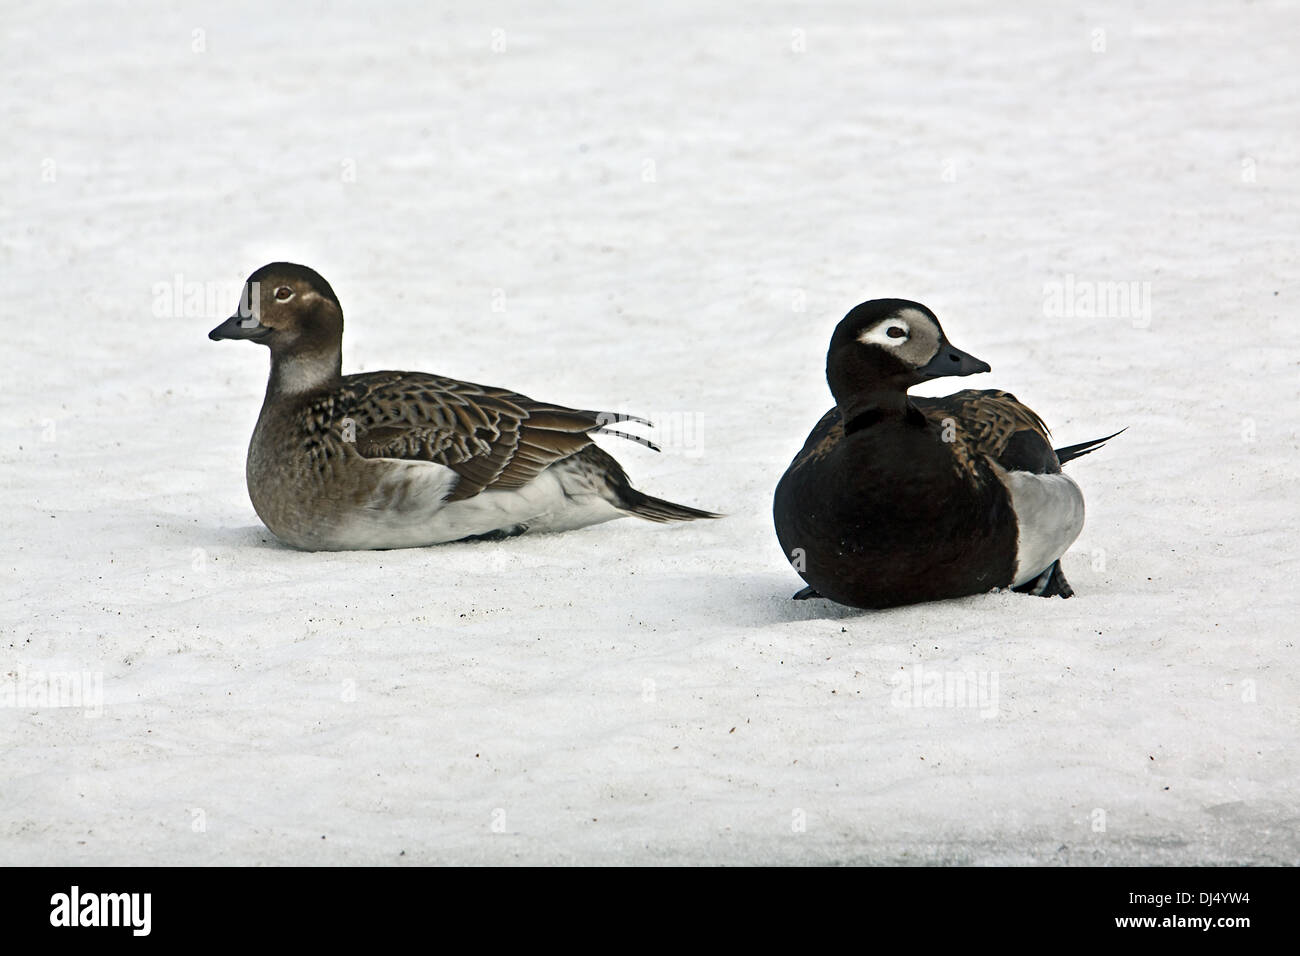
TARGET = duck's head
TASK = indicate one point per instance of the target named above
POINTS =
(288, 308)
(887, 346)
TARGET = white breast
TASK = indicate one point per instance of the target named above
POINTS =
(1049, 516)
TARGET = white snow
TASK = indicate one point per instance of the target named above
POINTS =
(663, 211)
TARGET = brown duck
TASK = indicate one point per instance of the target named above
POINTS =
(407, 459)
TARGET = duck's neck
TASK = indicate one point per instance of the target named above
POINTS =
(867, 408)
(299, 373)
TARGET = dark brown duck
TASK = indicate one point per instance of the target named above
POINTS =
(896, 500)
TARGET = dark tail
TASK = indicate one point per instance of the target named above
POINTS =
(656, 509)
(634, 502)
(1072, 452)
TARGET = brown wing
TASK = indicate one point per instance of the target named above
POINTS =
(491, 437)
(992, 423)
(978, 423)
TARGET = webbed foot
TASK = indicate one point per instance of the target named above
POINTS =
(1051, 583)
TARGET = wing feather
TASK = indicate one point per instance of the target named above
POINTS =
(992, 423)
(978, 423)
(491, 437)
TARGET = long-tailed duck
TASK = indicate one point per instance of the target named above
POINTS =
(895, 500)
(407, 459)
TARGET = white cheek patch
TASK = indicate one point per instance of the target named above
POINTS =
(879, 334)
(913, 317)
(917, 327)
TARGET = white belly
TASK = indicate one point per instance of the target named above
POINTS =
(420, 514)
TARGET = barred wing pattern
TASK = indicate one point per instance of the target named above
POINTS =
(992, 423)
(491, 437)
(978, 423)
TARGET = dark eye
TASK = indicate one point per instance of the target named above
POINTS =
(895, 332)
(283, 293)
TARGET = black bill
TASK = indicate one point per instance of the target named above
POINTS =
(951, 361)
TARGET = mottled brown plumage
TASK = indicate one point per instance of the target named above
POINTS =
(491, 437)
(988, 423)
(977, 423)
(403, 459)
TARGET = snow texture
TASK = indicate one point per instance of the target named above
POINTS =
(662, 210)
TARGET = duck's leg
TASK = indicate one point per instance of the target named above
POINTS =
(805, 594)
(1051, 583)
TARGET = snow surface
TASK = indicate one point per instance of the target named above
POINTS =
(665, 211)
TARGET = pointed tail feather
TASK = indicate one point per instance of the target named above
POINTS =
(656, 509)
(1070, 452)
(628, 435)
(623, 496)
(605, 419)
(613, 418)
